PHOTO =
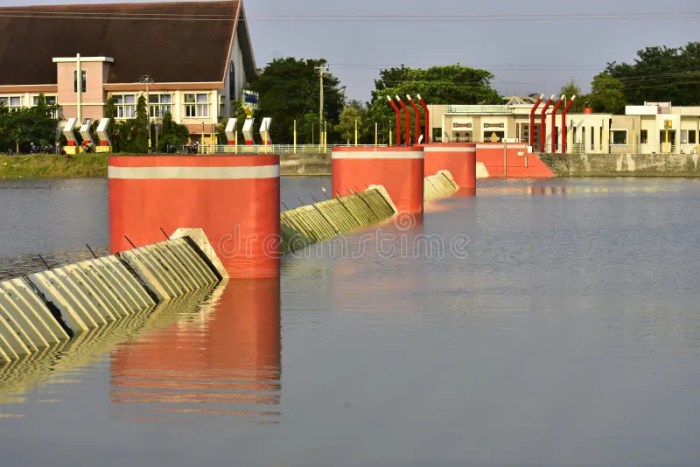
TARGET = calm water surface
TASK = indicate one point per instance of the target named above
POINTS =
(539, 323)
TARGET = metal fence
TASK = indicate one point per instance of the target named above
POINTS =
(639, 148)
(281, 149)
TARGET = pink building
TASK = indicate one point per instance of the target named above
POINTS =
(189, 58)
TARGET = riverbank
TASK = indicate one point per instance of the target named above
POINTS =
(306, 164)
(623, 165)
(53, 166)
(42, 166)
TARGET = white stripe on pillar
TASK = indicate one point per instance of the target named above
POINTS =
(379, 155)
(194, 173)
(448, 149)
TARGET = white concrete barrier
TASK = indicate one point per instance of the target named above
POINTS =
(440, 185)
(324, 220)
(91, 298)
(170, 269)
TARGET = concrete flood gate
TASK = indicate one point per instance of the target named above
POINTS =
(52, 307)
(307, 225)
(236, 199)
(440, 185)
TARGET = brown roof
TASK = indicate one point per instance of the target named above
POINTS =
(171, 42)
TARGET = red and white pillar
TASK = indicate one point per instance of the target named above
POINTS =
(458, 158)
(234, 199)
(398, 169)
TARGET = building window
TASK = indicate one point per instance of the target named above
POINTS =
(126, 105)
(49, 100)
(83, 81)
(196, 105)
(11, 102)
(644, 137)
(684, 136)
(619, 136)
(692, 137)
(160, 104)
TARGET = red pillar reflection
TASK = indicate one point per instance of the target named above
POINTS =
(225, 363)
(400, 245)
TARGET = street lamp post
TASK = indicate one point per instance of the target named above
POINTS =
(147, 80)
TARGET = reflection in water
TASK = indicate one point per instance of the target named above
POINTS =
(63, 363)
(395, 246)
(227, 362)
(465, 193)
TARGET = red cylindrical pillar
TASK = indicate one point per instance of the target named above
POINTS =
(398, 169)
(234, 199)
(458, 158)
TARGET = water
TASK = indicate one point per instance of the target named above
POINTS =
(547, 323)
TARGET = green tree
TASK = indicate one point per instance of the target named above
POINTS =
(607, 94)
(452, 84)
(289, 88)
(354, 115)
(173, 133)
(571, 89)
(111, 109)
(307, 128)
(111, 113)
(661, 74)
(142, 129)
(35, 125)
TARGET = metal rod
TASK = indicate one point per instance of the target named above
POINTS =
(44, 261)
(130, 242)
(166, 235)
(91, 251)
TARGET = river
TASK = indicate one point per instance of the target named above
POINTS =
(548, 323)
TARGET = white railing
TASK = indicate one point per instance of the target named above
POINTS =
(282, 149)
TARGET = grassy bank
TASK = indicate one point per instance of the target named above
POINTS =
(53, 166)
(95, 165)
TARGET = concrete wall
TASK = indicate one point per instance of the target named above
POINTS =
(623, 165)
(440, 185)
(307, 225)
(93, 97)
(52, 307)
(308, 163)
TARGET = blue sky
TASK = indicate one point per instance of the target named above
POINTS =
(530, 46)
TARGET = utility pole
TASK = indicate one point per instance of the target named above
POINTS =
(321, 70)
(146, 79)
